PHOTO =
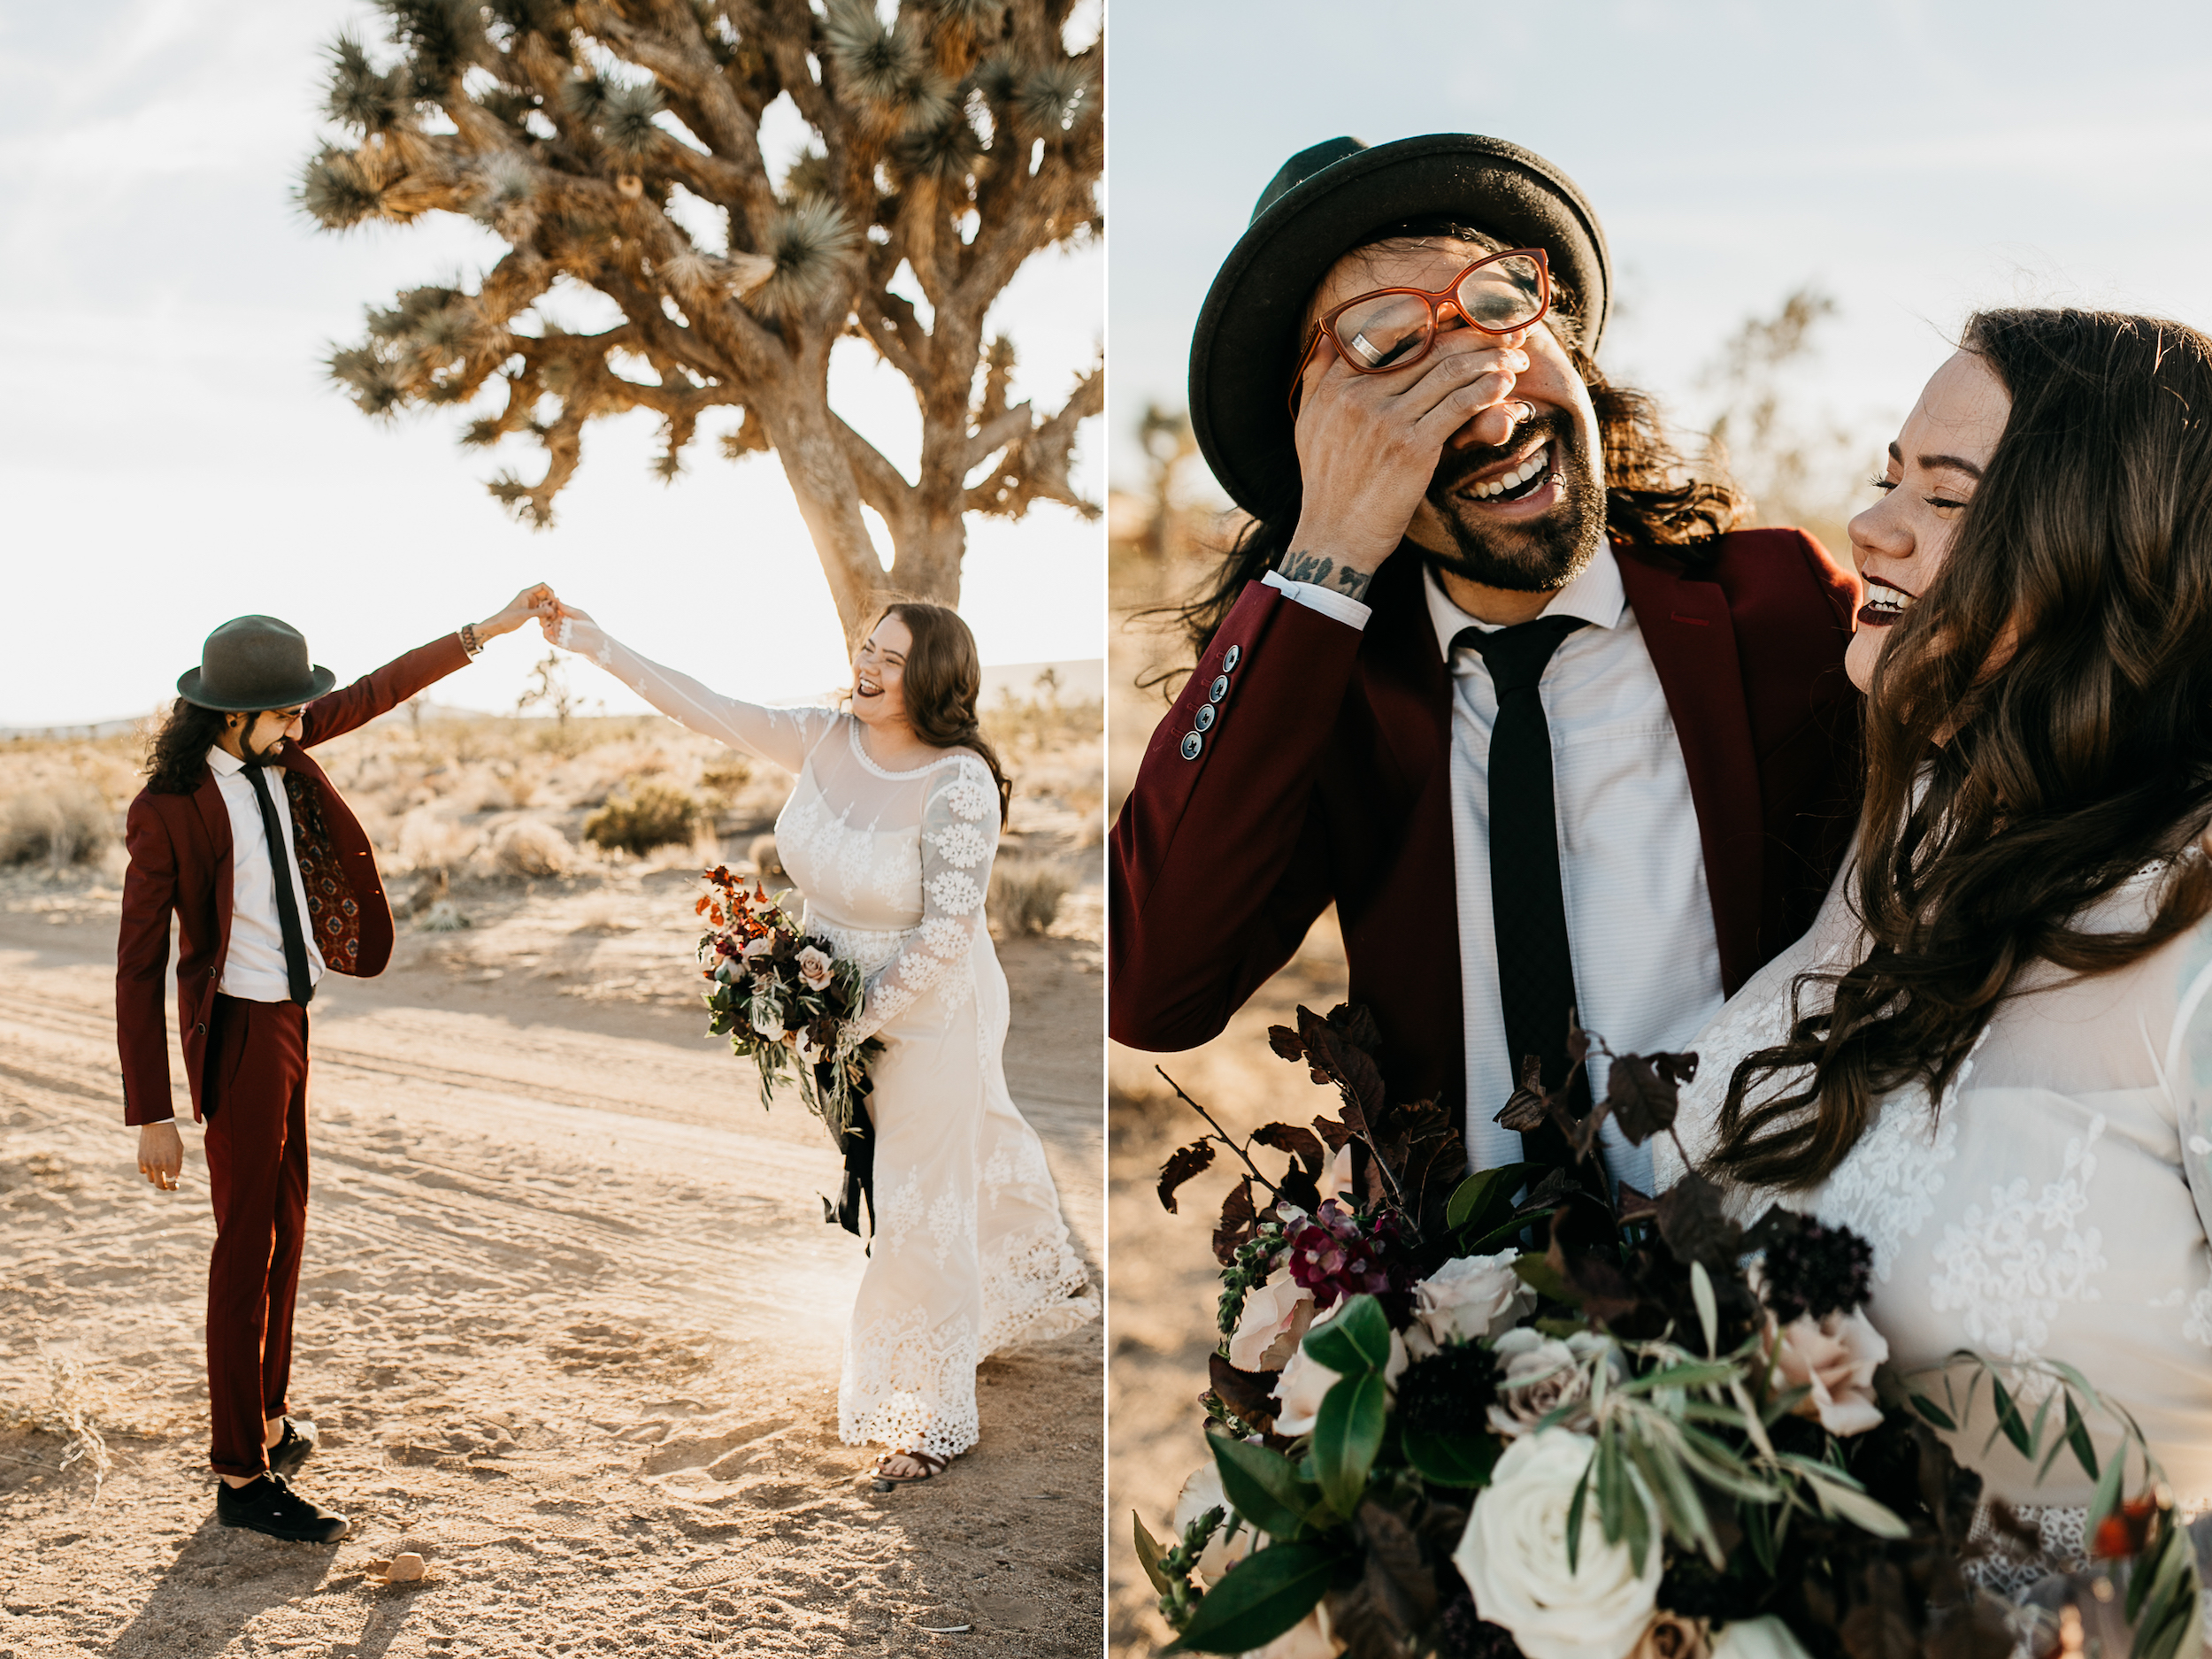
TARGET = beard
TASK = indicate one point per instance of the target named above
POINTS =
(1539, 557)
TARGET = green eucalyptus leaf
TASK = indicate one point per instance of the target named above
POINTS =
(2106, 1498)
(1475, 1201)
(1934, 1413)
(1261, 1486)
(2077, 1437)
(1357, 1339)
(1259, 1599)
(1574, 1517)
(1707, 1309)
(1347, 1432)
(1452, 1459)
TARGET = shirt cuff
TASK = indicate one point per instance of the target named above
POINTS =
(1342, 607)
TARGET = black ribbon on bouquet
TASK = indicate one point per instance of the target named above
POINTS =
(858, 1145)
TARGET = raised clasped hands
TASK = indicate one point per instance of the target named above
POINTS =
(533, 603)
(556, 613)
(1369, 444)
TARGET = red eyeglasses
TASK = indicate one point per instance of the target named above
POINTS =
(1393, 328)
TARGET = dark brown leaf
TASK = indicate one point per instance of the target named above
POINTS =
(1237, 1216)
(1364, 1626)
(1301, 1144)
(1642, 1101)
(1524, 1112)
(1581, 1132)
(1400, 1584)
(1334, 1133)
(1578, 1040)
(1335, 1059)
(1695, 1227)
(1676, 1067)
(1356, 1026)
(1249, 1393)
(1285, 1042)
(1881, 1626)
(1633, 1205)
(1183, 1164)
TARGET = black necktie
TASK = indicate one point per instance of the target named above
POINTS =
(1536, 978)
(287, 906)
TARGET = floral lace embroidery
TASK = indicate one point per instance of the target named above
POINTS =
(955, 892)
(2007, 1269)
(898, 1212)
(2198, 1326)
(960, 844)
(971, 796)
(952, 1227)
(1034, 1288)
(910, 1383)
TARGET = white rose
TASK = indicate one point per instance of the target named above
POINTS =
(768, 1023)
(1200, 1493)
(1514, 1557)
(755, 948)
(1305, 1381)
(1273, 1322)
(1836, 1355)
(1466, 1298)
(1756, 1639)
(1538, 1374)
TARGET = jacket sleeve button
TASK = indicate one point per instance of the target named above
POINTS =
(1204, 719)
(1219, 689)
(1231, 657)
(1192, 744)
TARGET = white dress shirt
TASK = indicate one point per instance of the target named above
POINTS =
(254, 971)
(1640, 919)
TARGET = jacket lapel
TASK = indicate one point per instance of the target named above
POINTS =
(1692, 639)
(215, 815)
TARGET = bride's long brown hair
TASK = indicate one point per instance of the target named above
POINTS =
(2039, 730)
(943, 678)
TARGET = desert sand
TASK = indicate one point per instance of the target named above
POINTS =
(570, 1317)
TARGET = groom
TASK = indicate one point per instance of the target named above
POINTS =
(1491, 671)
(241, 837)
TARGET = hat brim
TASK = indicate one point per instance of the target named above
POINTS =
(1246, 343)
(319, 682)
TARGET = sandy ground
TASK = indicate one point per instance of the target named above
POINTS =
(569, 1323)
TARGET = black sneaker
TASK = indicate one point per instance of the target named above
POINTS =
(294, 1447)
(268, 1504)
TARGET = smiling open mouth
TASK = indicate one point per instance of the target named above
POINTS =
(1884, 604)
(1517, 481)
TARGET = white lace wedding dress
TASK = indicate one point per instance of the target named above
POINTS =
(2054, 1204)
(969, 1254)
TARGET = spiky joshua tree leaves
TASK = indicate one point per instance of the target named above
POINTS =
(956, 141)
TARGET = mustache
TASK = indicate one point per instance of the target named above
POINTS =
(1458, 465)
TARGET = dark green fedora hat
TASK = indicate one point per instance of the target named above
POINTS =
(1324, 202)
(253, 663)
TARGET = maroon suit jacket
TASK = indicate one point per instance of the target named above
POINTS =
(1327, 775)
(179, 851)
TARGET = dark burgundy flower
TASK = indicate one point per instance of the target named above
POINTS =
(1332, 1255)
(1816, 1270)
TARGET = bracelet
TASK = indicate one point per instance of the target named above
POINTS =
(470, 643)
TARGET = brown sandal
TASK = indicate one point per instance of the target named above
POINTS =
(932, 1464)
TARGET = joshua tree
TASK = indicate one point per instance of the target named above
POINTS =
(616, 143)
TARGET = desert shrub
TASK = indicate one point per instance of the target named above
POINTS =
(640, 818)
(1025, 894)
(531, 847)
(766, 860)
(726, 775)
(428, 839)
(65, 821)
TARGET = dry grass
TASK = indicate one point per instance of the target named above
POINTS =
(1025, 894)
(73, 1408)
(645, 817)
(530, 847)
(65, 822)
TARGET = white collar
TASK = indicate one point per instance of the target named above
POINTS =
(226, 764)
(1596, 596)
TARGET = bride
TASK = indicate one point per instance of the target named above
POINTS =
(889, 832)
(1992, 1056)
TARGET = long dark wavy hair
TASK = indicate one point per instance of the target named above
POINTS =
(2039, 731)
(942, 680)
(1654, 495)
(176, 754)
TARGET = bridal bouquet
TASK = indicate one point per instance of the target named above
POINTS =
(783, 997)
(1660, 1435)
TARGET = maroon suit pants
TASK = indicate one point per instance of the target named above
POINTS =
(257, 1173)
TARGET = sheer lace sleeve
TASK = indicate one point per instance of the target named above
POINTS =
(2189, 1072)
(959, 839)
(783, 737)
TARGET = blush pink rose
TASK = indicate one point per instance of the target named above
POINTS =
(815, 967)
(1835, 1356)
(1274, 1321)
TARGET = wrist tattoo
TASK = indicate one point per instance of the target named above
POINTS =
(1348, 580)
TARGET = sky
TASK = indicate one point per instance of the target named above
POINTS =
(1912, 160)
(173, 454)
